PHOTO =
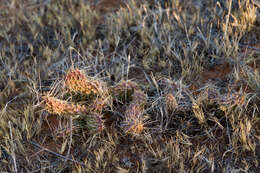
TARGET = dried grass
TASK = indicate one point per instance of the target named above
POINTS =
(139, 86)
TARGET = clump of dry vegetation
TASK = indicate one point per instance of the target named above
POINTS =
(129, 86)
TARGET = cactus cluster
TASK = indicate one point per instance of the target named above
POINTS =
(99, 97)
